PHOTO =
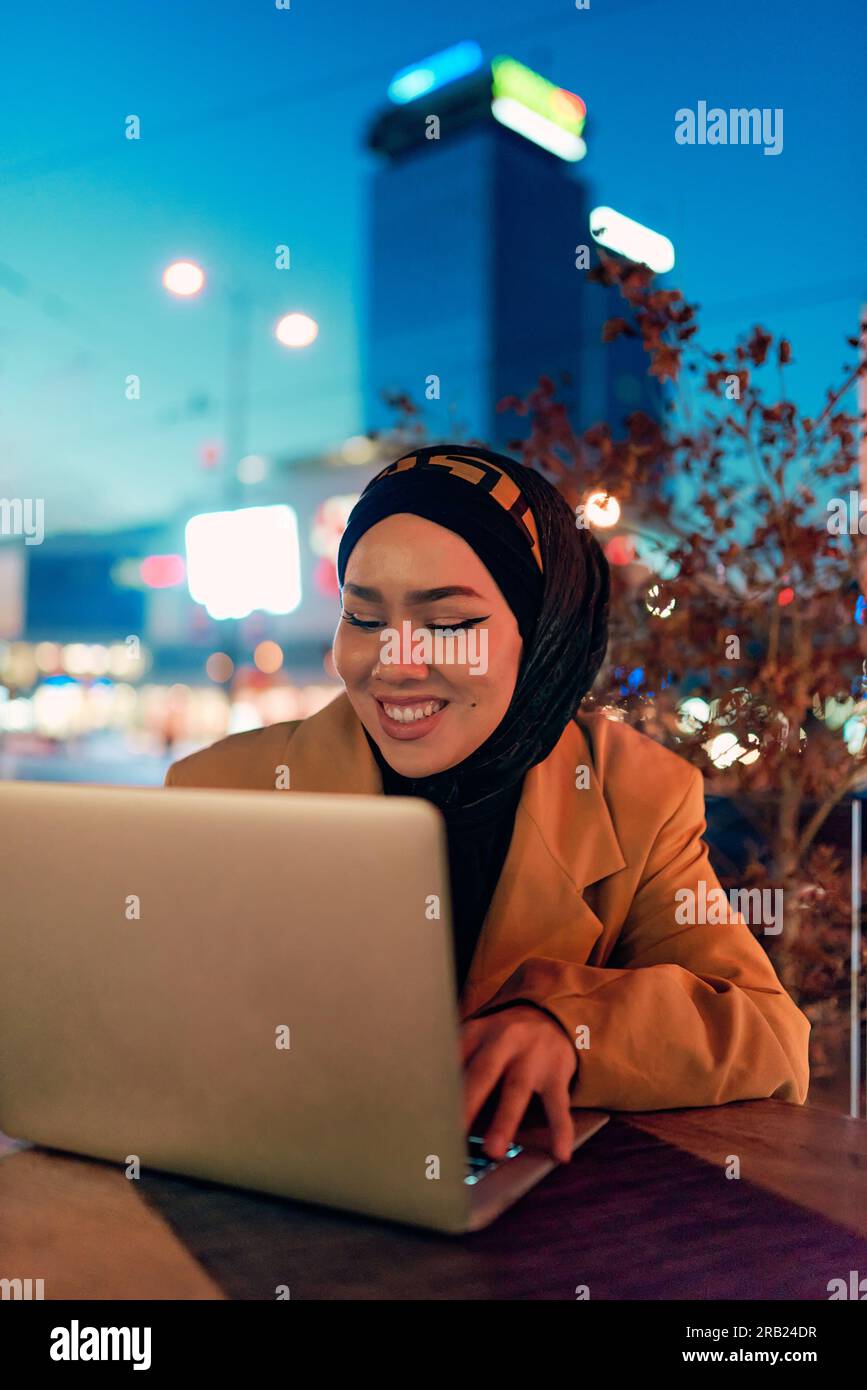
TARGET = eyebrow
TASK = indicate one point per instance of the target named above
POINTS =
(416, 595)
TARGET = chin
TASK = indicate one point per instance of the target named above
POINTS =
(414, 762)
(407, 759)
(410, 759)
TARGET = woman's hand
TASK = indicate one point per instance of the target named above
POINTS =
(526, 1050)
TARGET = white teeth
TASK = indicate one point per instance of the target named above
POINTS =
(408, 714)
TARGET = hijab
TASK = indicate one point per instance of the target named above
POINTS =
(555, 579)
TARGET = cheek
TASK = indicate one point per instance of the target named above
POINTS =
(350, 655)
(491, 690)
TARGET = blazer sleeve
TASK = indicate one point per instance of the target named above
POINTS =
(691, 1015)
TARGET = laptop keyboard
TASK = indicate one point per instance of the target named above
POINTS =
(478, 1163)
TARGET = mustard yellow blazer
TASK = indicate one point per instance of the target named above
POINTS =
(582, 921)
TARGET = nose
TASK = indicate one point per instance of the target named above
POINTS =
(398, 661)
(395, 672)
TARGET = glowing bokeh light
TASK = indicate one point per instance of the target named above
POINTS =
(268, 657)
(725, 750)
(219, 667)
(435, 71)
(357, 449)
(252, 469)
(76, 658)
(652, 605)
(628, 238)
(296, 330)
(47, 656)
(124, 662)
(601, 509)
(620, 551)
(521, 86)
(244, 560)
(837, 712)
(162, 571)
(536, 128)
(183, 278)
(692, 714)
(98, 660)
(210, 453)
(329, 523)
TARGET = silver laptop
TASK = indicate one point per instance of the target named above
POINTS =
(252, 989)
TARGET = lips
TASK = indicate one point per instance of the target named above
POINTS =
(409, 717)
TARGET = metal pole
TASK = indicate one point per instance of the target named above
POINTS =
(861, 397)
(237, 388)
(855, 967)
(236, 417)
(855, 959)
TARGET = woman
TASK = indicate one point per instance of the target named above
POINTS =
(473, 623)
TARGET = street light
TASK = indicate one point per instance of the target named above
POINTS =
(296, 330)
(183, 278)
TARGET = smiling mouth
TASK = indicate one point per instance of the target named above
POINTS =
(410, 711)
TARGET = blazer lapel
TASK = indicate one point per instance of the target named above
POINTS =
(563, 840)
(328, 752)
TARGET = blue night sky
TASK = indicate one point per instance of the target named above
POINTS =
(252, 125)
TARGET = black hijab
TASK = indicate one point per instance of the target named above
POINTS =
(555, 579)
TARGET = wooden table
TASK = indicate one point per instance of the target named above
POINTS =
(644, 1211)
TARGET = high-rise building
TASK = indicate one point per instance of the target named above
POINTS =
(477, 283)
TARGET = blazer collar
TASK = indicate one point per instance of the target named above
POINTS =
(328, 753)
(563, 840)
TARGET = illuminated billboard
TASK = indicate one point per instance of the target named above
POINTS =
(470, 90)
(537, 109)
(434, 72)
(244, 561)
(630, 239)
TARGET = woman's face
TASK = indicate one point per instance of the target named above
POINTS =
(426, 710)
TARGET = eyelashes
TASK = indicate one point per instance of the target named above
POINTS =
(432, 627)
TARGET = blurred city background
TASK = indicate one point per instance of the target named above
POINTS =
(232, 242)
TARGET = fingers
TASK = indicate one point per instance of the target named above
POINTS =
(555, 1099)
(472, 1036)
(480, 1078)
(515, 1096)
(528, 1059)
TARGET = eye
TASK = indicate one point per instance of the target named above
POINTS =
(456, 627)
(354, 621)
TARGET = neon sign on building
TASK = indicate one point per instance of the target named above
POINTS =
(537, 109)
